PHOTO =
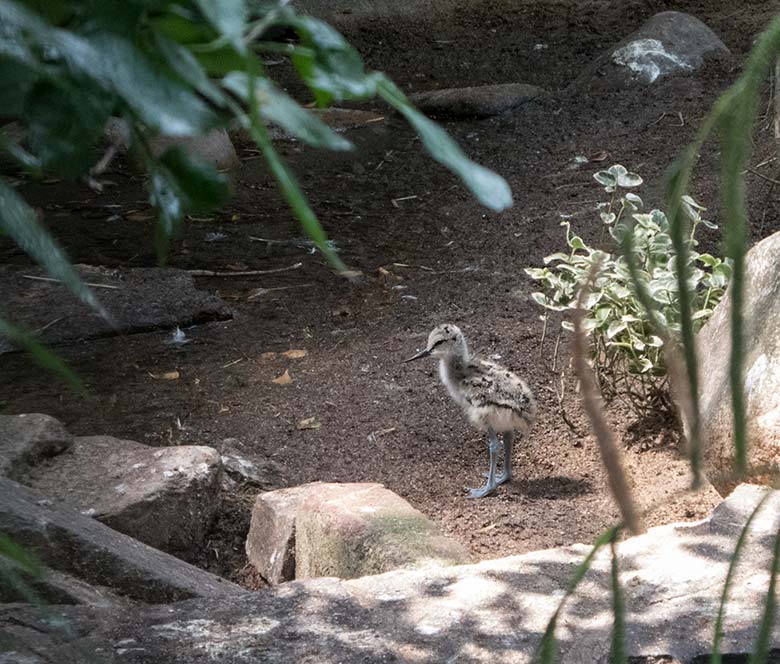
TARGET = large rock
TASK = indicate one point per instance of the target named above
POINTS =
(493, 613)
(27, 439)
(476, 102)
(214, 147)
(139, 299)
(69, 542)
(343, 530)
(166, 497)
(669, 44)
(761, 311)
(245, 468)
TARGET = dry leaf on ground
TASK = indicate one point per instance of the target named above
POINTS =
(284, 379)
(168, 375)
(309, 423)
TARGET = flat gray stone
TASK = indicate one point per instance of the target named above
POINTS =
(669, 44)
(27, 439)
(65, 540)
(481, 101)
(140, 299)
(166, 497)
(342, 530)
(761, 308)
(494, 612)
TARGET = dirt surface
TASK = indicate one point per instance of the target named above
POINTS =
(444, 259)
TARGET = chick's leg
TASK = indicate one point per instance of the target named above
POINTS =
(490, 484)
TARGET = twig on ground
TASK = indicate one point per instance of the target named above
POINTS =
(59, 281)
(559, 395)
(243, 273)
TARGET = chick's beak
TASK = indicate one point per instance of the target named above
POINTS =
(423, 353)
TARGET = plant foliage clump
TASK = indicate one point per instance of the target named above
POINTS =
(626, 355)
(177, 69)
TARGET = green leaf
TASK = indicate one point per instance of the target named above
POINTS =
(276, 107)
(65, 123)
(537, 272)
(41, 355)
(290, 188)
(15, 561)
(181, 30)
(490, 189)
(608, 217)
(547, 650)
(715, 657)
(181, 184)
(634, 200)
(760, 652)
(617, 653)
(229, 17)
(224, 60)
(16, 80)
(615, 328)
(160, 102)
(200, 186)
(18, 220)
(627, 180)
(186, 65)
(605, 179)
(328, 64)
(559, 256)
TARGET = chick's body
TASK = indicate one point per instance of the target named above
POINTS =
(494, 399)
(491, 396)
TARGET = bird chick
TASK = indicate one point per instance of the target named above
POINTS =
(494, 399)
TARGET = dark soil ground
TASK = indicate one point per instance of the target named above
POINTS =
(444, 259)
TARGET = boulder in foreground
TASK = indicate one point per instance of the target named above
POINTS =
(165, 497)
(761, 311)
(494, 612)
(342, 530)
(79, 546)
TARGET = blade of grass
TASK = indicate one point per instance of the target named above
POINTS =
(610, 455)
(547, 650)
(671, 349)
(617, 653)
(761, 648)
(15, 561)
(41, 355)
(679, 176)
(735, 124)
(715, 658)
(735, 144)
(18, 220)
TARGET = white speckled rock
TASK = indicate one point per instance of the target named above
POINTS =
(762, 373)
(669, 44)
(165, 497)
